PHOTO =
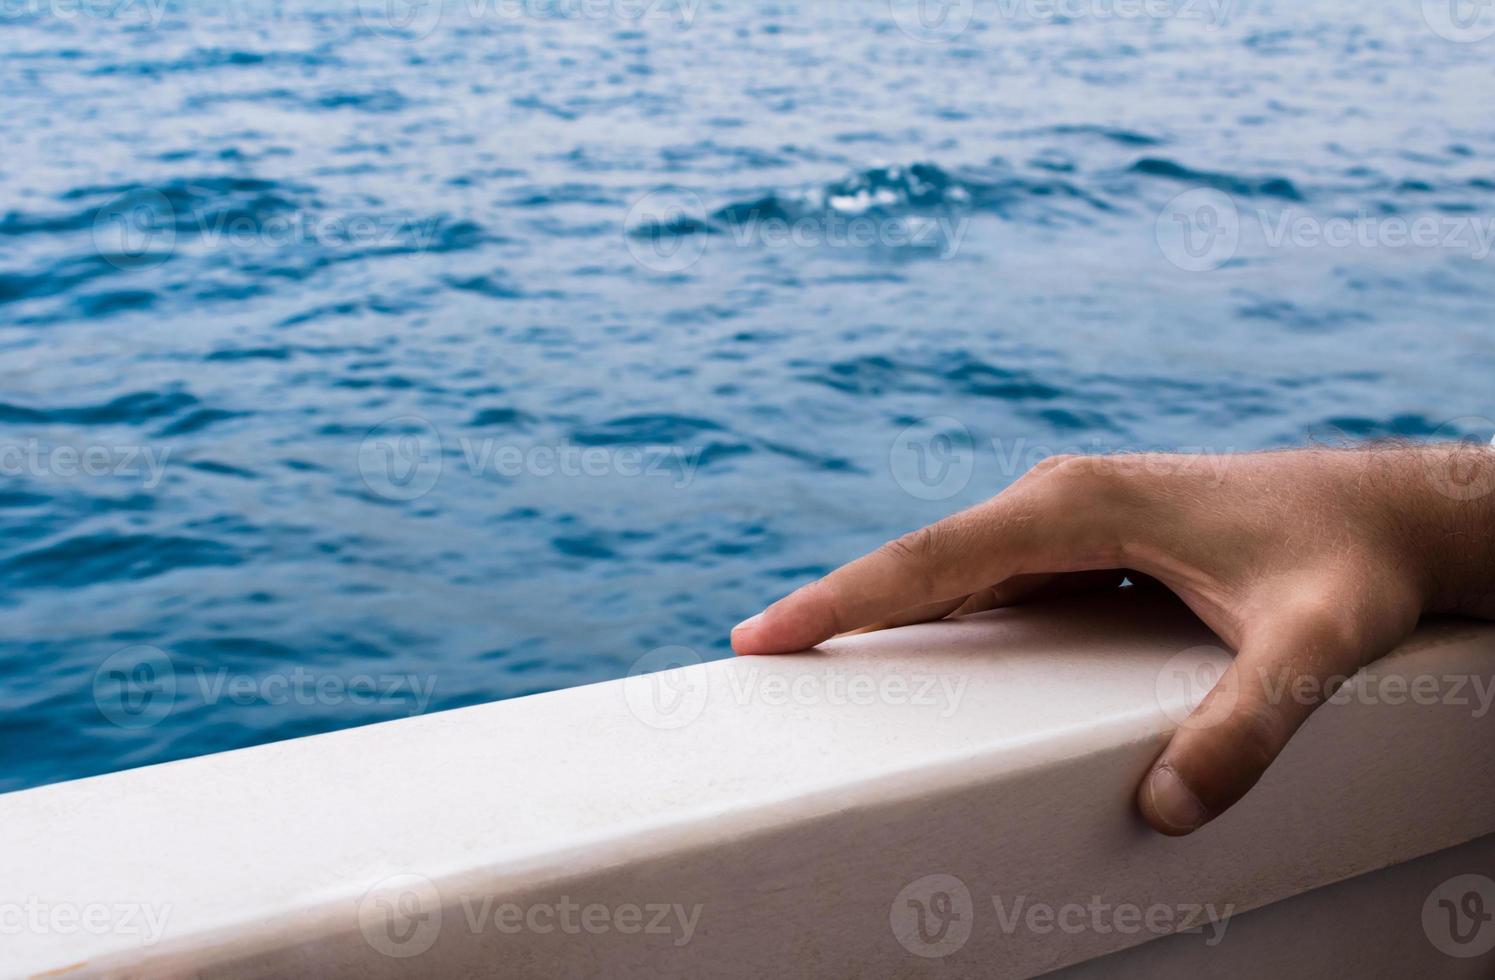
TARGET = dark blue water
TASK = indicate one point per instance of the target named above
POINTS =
(350, 370)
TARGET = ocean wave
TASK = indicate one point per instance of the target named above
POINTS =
(915, 190)
(132, 409)
(92, 559)
(1248, 186)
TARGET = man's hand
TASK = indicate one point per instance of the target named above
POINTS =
(1309, 563)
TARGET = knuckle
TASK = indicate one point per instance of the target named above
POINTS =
(825, 597)
(1050, 463)
(919, 555)
(1091, 481)
(1326, 627)
(912, 548)
(1088, 472)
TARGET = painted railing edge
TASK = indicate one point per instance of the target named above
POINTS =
(813, 825)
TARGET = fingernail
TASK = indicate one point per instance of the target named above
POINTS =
(1174, 803)
(749, 624)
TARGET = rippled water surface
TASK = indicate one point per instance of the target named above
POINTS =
(482, 356)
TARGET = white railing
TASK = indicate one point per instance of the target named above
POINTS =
(952, 800)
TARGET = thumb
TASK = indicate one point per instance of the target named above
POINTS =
(1286, 668)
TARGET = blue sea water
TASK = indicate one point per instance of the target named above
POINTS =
(360, 360)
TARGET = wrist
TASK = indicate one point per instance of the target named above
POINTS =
(1453, 485)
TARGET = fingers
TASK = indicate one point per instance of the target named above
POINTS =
(931, 567)
(1285, 670)
(1064, 521)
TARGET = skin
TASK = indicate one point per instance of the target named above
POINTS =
(1309, 564)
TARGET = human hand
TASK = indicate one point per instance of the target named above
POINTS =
(1308, 563)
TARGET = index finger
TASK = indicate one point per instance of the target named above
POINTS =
(1062, 519)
